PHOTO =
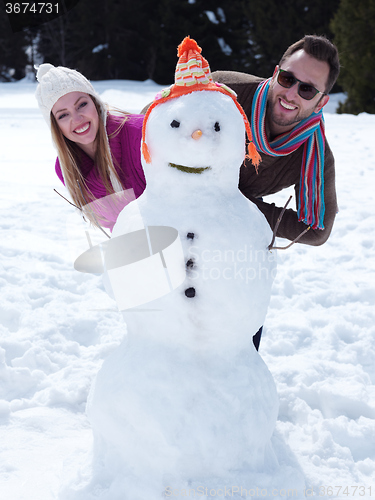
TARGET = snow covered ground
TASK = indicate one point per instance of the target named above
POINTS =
(57, 325)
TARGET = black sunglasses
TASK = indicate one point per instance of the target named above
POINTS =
(305, 90)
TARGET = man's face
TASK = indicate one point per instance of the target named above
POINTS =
(285, 106)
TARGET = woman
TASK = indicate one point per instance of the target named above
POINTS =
(98, 151)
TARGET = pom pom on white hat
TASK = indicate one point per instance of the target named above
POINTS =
(55, 82)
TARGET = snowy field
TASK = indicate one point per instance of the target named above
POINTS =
(57, 325)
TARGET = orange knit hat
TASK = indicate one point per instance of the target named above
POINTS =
(193, 74)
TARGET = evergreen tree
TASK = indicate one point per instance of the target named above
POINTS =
(103, 40)
(70, 39)
(13, 58)
(275, 26)
(353, 27)
(225, 36)
(132, 39)
(124, 39)
(218, 26)
(177, 19)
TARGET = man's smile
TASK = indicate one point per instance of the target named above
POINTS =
(284, 104)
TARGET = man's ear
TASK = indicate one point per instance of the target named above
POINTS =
(323, 101)
(275, 71)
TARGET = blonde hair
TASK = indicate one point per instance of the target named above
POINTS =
(69, 154)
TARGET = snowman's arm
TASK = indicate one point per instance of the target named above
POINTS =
(290, 228)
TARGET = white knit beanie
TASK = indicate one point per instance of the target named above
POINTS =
(55, 82)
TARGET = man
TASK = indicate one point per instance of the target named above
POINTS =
(291, 103)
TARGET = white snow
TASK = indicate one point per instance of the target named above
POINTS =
(100, 47)
(211, 16)
(57, 325)
(221, 14)
(227, 50)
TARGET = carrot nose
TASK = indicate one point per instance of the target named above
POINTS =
(197, 134)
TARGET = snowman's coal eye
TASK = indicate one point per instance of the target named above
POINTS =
(217, 127)
(175, 124)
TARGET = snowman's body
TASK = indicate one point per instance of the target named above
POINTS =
(186, 397)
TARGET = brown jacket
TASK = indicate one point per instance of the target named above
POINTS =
(277, 173)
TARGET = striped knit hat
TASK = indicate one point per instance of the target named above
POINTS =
(193, 74)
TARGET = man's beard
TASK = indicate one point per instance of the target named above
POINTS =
(284, 121)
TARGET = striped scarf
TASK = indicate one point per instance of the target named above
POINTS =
(309, 131)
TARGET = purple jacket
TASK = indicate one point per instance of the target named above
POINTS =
(126, 150)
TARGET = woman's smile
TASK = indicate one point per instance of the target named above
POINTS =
(82, 129)
(78, 120)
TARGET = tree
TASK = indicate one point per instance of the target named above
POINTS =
(275, 26)
(13, 58)
(353, 27)
(124, 39)
(218, 26)
(137, 40)
(71, 38)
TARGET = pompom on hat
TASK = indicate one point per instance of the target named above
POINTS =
(55, 82)
(193, 74)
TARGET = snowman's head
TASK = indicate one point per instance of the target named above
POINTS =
(200, 134)
(196, 126)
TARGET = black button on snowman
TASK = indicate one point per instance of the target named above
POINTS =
(190, 292)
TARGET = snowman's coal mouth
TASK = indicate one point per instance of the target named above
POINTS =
(189, 170)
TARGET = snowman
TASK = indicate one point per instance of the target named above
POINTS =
(186, 401)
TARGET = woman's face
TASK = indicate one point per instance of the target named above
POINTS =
(78, 120)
